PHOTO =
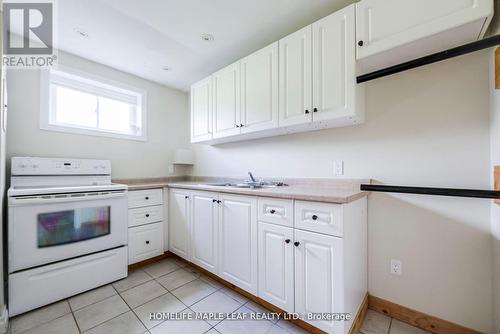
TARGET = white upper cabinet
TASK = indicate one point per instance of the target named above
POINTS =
(334, 67)
(409, 29)
(226, 101)
(201, 110)
(295, 84)
(204, 230)
(259, 90)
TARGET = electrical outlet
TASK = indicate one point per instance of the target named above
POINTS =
(396, 267)
(338, 167)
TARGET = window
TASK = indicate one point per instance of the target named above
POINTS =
(84, 104)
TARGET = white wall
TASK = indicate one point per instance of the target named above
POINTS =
(495, 209)
(167, 122)
(425, 127)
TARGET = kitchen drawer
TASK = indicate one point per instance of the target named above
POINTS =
(145, 242)
(276, 211)
(145, 215)
(140, 198)
(319, 217)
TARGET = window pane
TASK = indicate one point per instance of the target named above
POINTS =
(75, 107)
(63, 227)
(117, 116)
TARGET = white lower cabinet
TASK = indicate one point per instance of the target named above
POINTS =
(319, 278)
(179, 223)
(304, 257)
(145, 242)
(276, 268)
(204, 230)
(238, 241)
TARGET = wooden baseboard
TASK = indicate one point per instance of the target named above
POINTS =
(360, 317)
(416, 318)
(149, 261)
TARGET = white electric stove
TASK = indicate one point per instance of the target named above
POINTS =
(67, 229)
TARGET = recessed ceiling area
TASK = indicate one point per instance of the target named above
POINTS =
(145, 37)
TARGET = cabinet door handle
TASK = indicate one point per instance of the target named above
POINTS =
(147, 215)
(146, 198)
(237, 125)
(219, 202)
(315, 109)
(186, 197)
(306, 112)
(214, 201)
(296, 243)
(147, 242)
(361, 43)
(241, 125)
(272, 211)
(314, 217)
(288, 241)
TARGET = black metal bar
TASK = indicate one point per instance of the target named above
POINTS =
(433, 191)
(433, 58)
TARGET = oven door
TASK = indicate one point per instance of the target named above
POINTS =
(49, 228)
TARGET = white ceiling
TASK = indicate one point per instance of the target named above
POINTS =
(143, 36)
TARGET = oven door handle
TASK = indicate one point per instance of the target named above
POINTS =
(54, 199)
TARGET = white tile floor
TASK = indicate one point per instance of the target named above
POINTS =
(168, 286)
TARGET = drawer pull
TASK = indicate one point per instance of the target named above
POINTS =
(214, 201)
(273, 211)
(288, 241)
(146, 198)
(314, 217)
(296, 243)
(147, 242)
(147, 215)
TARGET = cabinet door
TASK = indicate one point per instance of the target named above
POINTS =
(204, 229)
(295, 83)
(334, 61)
(259, 90)
(276, 282)
(179, 223)
(319, 277)
(201, 110)
(226, 101)
(386, 24)
(238, 241)
(145, 242)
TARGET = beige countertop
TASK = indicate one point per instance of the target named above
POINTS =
(318, 193)
(319, 190)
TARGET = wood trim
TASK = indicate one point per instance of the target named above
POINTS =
(497, 168)
(360, 317)
(149, 261)
(416, 318)
(497, 68)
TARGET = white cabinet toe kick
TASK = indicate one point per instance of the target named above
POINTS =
(303, 257)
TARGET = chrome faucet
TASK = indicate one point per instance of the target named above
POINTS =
(251, 177)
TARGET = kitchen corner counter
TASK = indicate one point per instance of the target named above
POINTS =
(303, 192)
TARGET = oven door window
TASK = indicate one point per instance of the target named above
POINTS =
(64, 227)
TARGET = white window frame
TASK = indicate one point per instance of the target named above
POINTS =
(98, 82)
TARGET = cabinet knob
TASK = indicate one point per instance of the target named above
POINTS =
(361, 43)
(273, 211)
(241, 125)
(146, 198)
(147, 242)
(307, 111)
(288, 241)
(219, 202)
(214, 201)
(237, 125)
(186, 197)
(296, 243)
(315, 109)
(314, 217)
(147, 215)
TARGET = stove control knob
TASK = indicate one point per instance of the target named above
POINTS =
(22, 165)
